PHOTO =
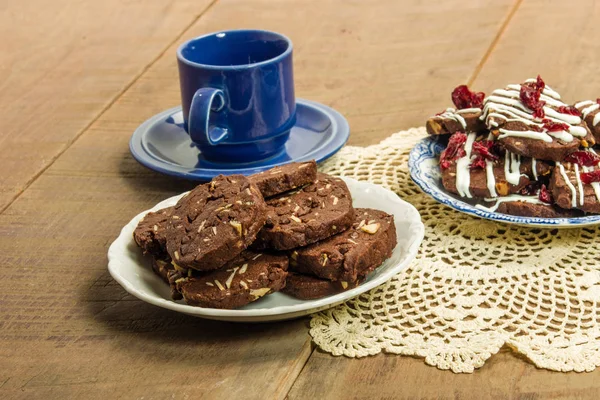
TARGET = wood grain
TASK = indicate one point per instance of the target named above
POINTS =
(63, 62)
(504, 376)
(67, 330)
(530, 44)
(385, 65)
(555, 39)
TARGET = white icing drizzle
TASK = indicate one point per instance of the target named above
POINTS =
(578, 131)
(505, 104)
(534, 169)
(595, 185)
(569, 184)
(525, 134)
(516, 93)
(512, 197)
(451, 113)
(587, 107)
(468, 110)
(491, 180)
(521, 116)
(586, 111)
(512, 168)
(567, 118)
(583, 103)
(489, 173)
(463, 173)
(561, 135)
(579, 185)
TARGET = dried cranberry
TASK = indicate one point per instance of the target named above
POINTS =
(530, 96)
(569, 110)
(462, 98)
(478, 163)
(585, 158)
(598, 100)
(552, 126)
(545, 196)
(484, 149)
(454, 150)
(590, 177)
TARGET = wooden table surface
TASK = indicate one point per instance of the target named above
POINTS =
(77, 77)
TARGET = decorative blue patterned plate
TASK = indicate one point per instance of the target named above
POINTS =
(162, 144)
(424, 170)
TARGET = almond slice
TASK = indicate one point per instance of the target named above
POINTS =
(259, 292)
(371, 228)
(237, 226)
(230, 279)
(243, 268)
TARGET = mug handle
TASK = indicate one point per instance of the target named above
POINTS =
(204, 101)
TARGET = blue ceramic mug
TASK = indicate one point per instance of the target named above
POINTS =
(237, 94)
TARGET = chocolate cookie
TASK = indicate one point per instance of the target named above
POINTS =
(451, 121)
(285, 178)
(150, 234)
(215, 222)
(555, 150)
(307, 215)
(307, 287)
(570, 192)
(164, 268)
(351, 254)
(470, 175)
(161, 267)
(590, 112)
(525, 209)
(244, 279)
(544, 129)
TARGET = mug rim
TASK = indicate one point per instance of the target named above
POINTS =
(281, 56)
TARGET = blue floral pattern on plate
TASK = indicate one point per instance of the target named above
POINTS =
(424, 170)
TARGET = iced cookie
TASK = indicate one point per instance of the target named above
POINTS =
(474, 167)
(531, 120)
(590, 113)
(576, 186)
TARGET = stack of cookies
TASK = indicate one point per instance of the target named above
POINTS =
(236, 239)
(521, 150)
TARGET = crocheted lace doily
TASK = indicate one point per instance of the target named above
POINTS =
(475, 285)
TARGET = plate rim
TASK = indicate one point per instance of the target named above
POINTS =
(341, 134)
(118, 246)
(424, 150)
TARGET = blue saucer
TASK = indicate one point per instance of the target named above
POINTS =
(162, 144)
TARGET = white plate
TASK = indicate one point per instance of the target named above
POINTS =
(132, 270)
(423, 164)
